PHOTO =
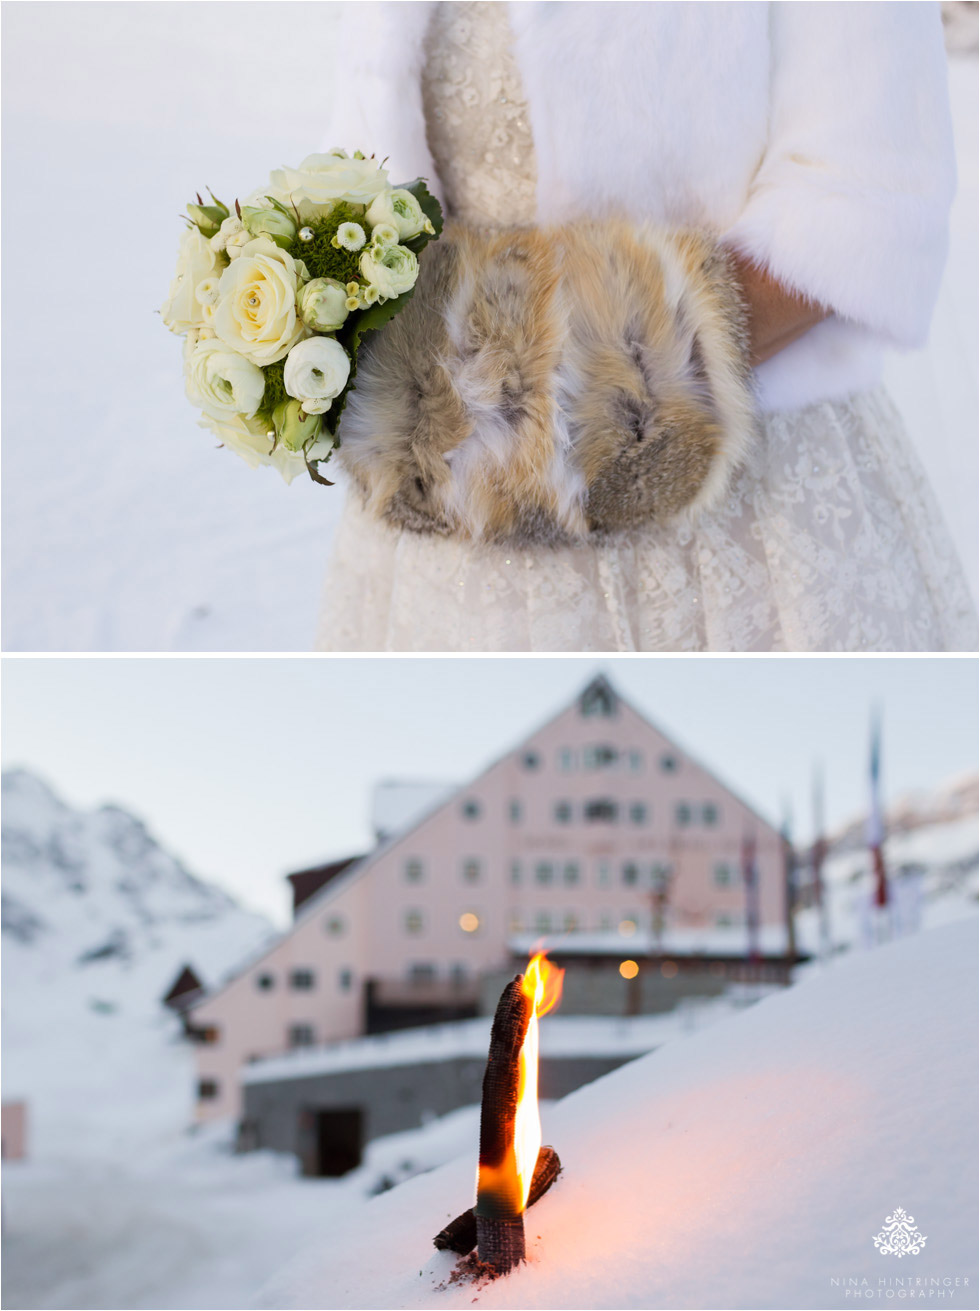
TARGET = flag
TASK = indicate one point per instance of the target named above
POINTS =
(750, 874)
(817, 857)
(876, 827)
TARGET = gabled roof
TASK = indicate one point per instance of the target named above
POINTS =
(183, 987)
(599, 686)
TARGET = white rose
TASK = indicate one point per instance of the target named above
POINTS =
(250, 440)
(222, 382)
(323, 179)
(398, 209)
(196, 261)
(391, 269)
(316, 371)
(256, 313)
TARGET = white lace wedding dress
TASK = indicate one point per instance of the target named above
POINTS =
(829, 540)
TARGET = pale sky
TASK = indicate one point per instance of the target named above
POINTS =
(248, 768)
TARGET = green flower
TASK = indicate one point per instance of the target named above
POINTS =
(272, 223)
(294, 426)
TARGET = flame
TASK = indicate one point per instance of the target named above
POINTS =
(542, 983)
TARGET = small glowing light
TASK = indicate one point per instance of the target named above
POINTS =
(668, 969)
(627, 928)
(469, 922)
(629, 969)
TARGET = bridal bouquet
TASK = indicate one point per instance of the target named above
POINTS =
(273, 299)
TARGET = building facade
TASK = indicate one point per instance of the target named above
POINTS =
(596, 833)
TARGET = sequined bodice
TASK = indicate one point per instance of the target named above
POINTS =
(476, 115)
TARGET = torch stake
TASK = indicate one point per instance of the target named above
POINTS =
(499, 1203)
(460, 1234)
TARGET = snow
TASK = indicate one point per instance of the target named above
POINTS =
(560, 1036)
(124, 529)
(398, 803)
(747, 1166)
(767, 1144)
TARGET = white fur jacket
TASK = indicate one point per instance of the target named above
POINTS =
(814, 137)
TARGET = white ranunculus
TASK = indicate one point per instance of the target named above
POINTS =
(398, 209)
(222, 382)
(316, 371)
(231, 236)
(250, 440)
(196, 261)
(323, 179)
(323, 304)
(257, 313)
(391, 269)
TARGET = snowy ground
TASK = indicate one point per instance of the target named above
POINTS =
(749, 1166)
(124, 528)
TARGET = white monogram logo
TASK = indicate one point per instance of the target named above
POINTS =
(899, 1236)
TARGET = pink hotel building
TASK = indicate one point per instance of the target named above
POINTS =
(596, 834)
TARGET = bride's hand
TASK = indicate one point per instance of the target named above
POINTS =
(777, 316)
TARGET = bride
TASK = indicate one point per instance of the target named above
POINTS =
(816, 143)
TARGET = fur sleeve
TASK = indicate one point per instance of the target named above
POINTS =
(377, 92)
(850, 204)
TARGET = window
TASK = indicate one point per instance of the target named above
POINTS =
(638, 812)
(598, 699)
(627, 925)
(566, 760)
(413, 921)
(544, 871)
(345, 980)
(300, 1035)
(515, 921)
(631, 875)
(301, 980)
(563, 812)
(723, 875)
(603, 873)
(471, 809)
(600, 757)
(421, 973)
(516, 812)
(723, 920)
(571, 921)
(459, 974)
(515, 871)
(669, 764)
(709, 813)
(413, 870)
(471, 870)
(265, 982)
(636, 762)
(660, 878)
(602, 810)
(542, 922)
(683, 814)
(469, 921)
(208, 1034)
(335, 926)
(571, 873)
(531, 760)
(207, 1089)
(605, 922)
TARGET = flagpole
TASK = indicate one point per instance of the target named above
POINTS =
(876, 830)
(789, 881)
(817, 858)
(750, 875)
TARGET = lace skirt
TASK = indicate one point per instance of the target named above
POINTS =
(830, 540)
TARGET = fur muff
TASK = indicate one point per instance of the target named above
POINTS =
(552, 384)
